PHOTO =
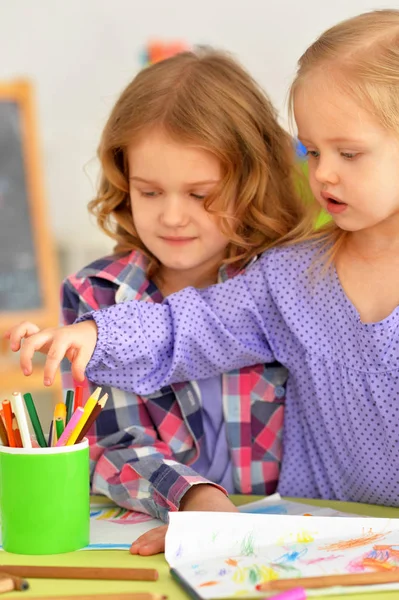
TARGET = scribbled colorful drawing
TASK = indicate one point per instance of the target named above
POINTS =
(300, 537)
(247, 545)
(291, 556)
(380, 558)
(367, 538)
(254, 574)
(321, 559)
(119, 515)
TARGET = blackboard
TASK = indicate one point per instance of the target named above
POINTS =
(28, 282)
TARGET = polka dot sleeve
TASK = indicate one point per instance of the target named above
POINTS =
(194, 334)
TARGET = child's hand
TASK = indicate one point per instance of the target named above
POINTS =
(77, 342)
(151, 542)
(202, 497)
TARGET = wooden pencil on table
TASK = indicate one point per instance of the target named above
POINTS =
(103, 573)
(6, 585)
(96, 411)
(19, 584)
(324, 581)
(115, 596)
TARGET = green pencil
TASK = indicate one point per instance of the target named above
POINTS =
(37, 428)
(69, 405)
(59, 427)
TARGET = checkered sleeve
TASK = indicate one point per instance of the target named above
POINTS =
(129, 463)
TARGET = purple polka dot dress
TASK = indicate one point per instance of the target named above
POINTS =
(341, 432)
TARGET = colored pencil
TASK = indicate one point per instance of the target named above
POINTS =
(17, 433)
(70, 427)
(59, 427)
(96, 411)
(3, 433)
(19, 584)
(50, 434)
(115, 596)
(185, 585)
(103, 573)
(20, 414)
(6, 585)
(60, 411)
(324, 581)
(37, 428)
(78, 397)
(88, 409)
(69, 405)
(8, 422)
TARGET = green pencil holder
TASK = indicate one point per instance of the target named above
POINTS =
(45, 499)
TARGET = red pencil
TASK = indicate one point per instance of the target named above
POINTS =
(78, 401)
(8, 422)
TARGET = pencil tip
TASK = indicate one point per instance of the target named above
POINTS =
(96, 393)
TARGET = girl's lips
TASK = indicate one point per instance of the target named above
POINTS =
(335, 208)
(177, 240)
(334, 205)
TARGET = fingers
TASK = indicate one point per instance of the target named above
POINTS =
(35, 342)
(79, 362)
(58, 349)
(151, 542)
(19, 332)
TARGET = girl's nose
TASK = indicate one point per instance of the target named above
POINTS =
(174, 211)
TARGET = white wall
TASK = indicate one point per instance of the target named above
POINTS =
(81, 53)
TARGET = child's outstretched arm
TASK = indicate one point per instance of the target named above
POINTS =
(193, 334)
(140, 347)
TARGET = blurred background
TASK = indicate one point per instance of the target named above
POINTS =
(79, 54)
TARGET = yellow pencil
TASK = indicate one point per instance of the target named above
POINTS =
(88, 409)
(60, 411)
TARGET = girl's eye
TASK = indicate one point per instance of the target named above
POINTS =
(198, 196)
(313, 153)
(349, 155)
(148, 194)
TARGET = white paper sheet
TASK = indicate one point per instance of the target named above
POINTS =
(227, 554)
(275, 505)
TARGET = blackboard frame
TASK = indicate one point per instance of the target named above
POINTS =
(21, 92)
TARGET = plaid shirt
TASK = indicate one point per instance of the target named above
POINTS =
(141, 447)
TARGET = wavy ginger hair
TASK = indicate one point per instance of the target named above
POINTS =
(361, 55)
(207, 100)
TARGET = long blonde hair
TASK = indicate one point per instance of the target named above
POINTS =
(362, 54)
(206, 99)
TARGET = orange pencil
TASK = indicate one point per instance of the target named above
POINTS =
(16, 432)
(3, 432)
(8, 422)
